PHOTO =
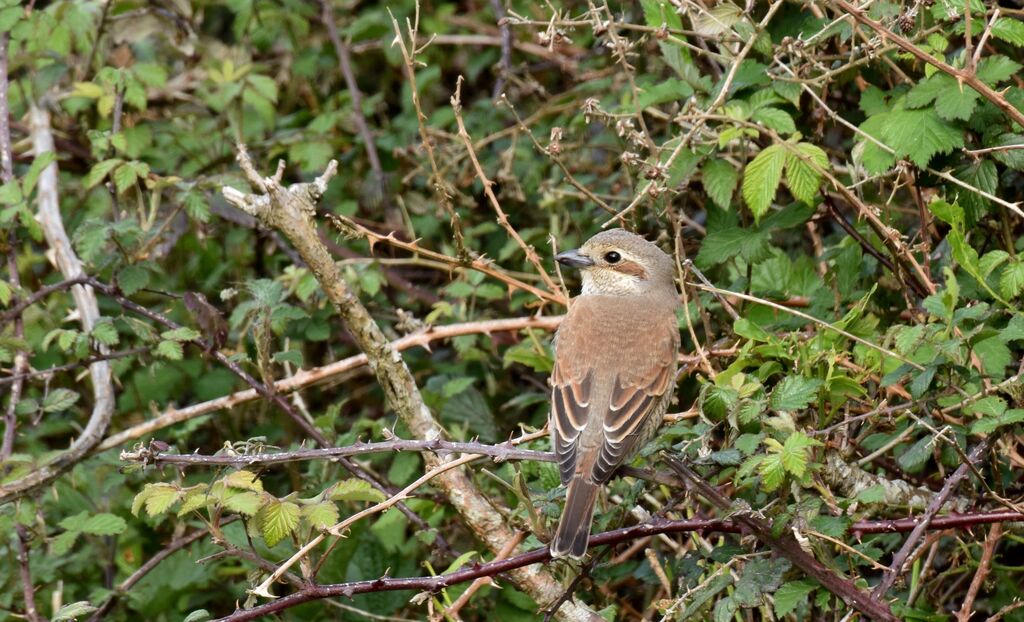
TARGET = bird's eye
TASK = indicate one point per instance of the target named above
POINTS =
(612, 257)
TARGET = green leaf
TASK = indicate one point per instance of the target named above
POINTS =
(457, 385)
(321, 516)
(355, 490)
(277, 520)
(994, 355)
(242, 501)
(761, 179)
(40, 162)
(773, 473)
(724, 244)
(997, 68)
(182, 333)
(104, 525)
(157, 498)
(802, 176)
(59, 400)
(170, 350)
(1009, 30)
(991, 424)
(719, 179)
(920, 134)
(124, 177)
(199, 615)
(795, 453)
(105, 332)
(63, 542)
(775, 119)
(791, 595)
(132, 278)
(73, 611)
(100, 171)
(953, 100)
(1011, 281)
(918, 453)
(243, 480)
(794, 393)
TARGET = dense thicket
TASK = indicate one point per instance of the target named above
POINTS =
(842, 187)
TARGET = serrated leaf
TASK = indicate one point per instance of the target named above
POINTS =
(277, 520)
(717, 20)
(124, 177)
(794, 393)
(795, 452)
(1011, 281)
(321, 516)
(40, 162)
(182, 333)
(355, 490)
(773, 118)
(719, 179)
(772, 472)
(63, 542)
(199, 615)
(920, 134)
(156, 498)
(1009, 30)
(791, 595)
(73, 611)
(132, 278)
(59, 400)
(244, 502)
(994, 355)
(996, 68)
(104, 524)
(244, 480)
(991, 424)
(100, 171)
(761, 179)
(457, 385)
(802, 178)
(195, 498)
(105, 332)
(170, 350)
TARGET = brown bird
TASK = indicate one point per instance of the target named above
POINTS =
(614, 372)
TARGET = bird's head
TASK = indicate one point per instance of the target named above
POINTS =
(619, 263)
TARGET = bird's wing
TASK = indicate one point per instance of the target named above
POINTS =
(636, 352)
(646, 375)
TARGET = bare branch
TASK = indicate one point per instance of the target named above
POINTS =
(85, 300)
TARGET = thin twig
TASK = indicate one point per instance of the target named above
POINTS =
(901, 556)
(984, 567)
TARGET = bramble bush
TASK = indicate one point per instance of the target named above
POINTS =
(203, 402)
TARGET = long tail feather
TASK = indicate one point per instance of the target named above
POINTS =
(573, 532)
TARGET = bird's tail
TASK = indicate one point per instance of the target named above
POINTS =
(574, 527)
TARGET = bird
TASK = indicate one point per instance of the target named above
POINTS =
(614, 371)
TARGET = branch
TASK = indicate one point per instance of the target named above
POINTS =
(901, 556)
(787, 546)
(307, 377)
(984, 566)
(290, 210)
(501, 452)
(609, 538)
(85, 300)
(27, 588)
(963, 77)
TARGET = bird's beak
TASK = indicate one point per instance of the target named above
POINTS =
(574, 259)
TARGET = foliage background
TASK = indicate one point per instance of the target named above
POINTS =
(788, 150)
